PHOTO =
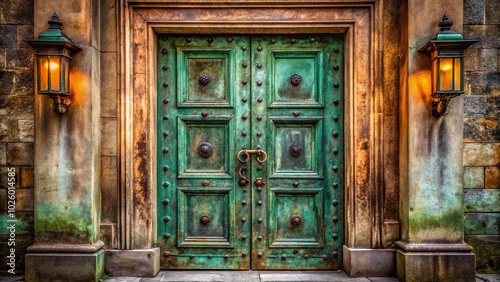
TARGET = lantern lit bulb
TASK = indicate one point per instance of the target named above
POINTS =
(446, 66)
(54, 65)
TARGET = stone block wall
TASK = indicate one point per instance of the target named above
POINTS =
(482, 133)
(16, 127)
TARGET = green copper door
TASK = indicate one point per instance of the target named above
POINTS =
(250, 152)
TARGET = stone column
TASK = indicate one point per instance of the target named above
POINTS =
(67, 151)
(431, 182)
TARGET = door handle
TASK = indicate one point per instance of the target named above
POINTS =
(244, 155)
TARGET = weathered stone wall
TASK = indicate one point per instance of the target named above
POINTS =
(16, 125)
(482, 133)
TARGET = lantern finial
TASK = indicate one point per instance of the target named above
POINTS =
(55, 23)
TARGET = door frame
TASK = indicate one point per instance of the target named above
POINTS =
(367, 224)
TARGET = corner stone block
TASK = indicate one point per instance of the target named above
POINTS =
(64, 266)
(20, 153)
(492, 178)
(435, 266)
(481, 154)
(474, 177)
(142, 263)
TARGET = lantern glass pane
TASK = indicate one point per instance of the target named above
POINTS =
(446, 74)
(457, 74)
(55, 74)
(66, 76)
(43, 79)
(434, 76)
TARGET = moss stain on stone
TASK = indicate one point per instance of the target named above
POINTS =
(63, 226)
(451, 220)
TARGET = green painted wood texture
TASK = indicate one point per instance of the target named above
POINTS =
(220, 94)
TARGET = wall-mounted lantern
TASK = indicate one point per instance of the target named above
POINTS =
(53, 54)
(446, 50)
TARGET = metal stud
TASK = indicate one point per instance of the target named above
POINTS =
(296, 113)
(244, 133)
(336, 67)
(335, 119)
(259, 168)
(165, 117)
(335, 185)
(259, 238)
(165, 134)
(295, 80)
(335, 203)
(226, 256)
(273, 40)
(325, 257)
(244, 254)
(259, 220)
(165, 168)
(165, 84)
(244, 65)
(204, 79)
(283, 257)
(166, 101)
(336, 102)
(165, 184)
(244, 48)
(259, 48)
(244, 116)
(259, 66)
(164, 38)
(205, 183)
(165, 67)
(335, 134)
(204, 114)
(191, 256)
(243, 220)
(244, 99)
(244, 203)
(259, 134)
(164, 51)
(166, 236)
(306, 256)
(259, 118)
(209, 256)
(229, 39)
(259, 99)
(259, 255)
(335, 254)
(335, 219)
(313, 39)
(166, 201)
(335, 168)
(166, 151)
(259, 83)
(259, 203)
(210, 40)
(204, 219)
(335, 151)
(295, 184)
(166, 254)
(335, 236)
(189, 40)
(244, 82)
(336, 85)
(293, 40)
(166, 219)
(336, 50)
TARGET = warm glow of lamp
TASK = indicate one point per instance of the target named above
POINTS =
(446, 52)
(53, 53)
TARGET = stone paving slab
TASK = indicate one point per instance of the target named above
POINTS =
(488, 277)
(339, 276)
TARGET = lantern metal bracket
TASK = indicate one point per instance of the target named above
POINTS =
(440, 103)
(61, 103)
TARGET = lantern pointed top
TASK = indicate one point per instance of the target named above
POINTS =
(55, 23)
(445, 24)
(445, 32)
(54, 36)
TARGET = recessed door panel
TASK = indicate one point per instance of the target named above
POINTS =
(250, 151)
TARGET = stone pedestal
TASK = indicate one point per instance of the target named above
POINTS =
(368, 262)
(64, 266)
(435, 262)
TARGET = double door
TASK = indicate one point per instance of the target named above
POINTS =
(250, 151)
